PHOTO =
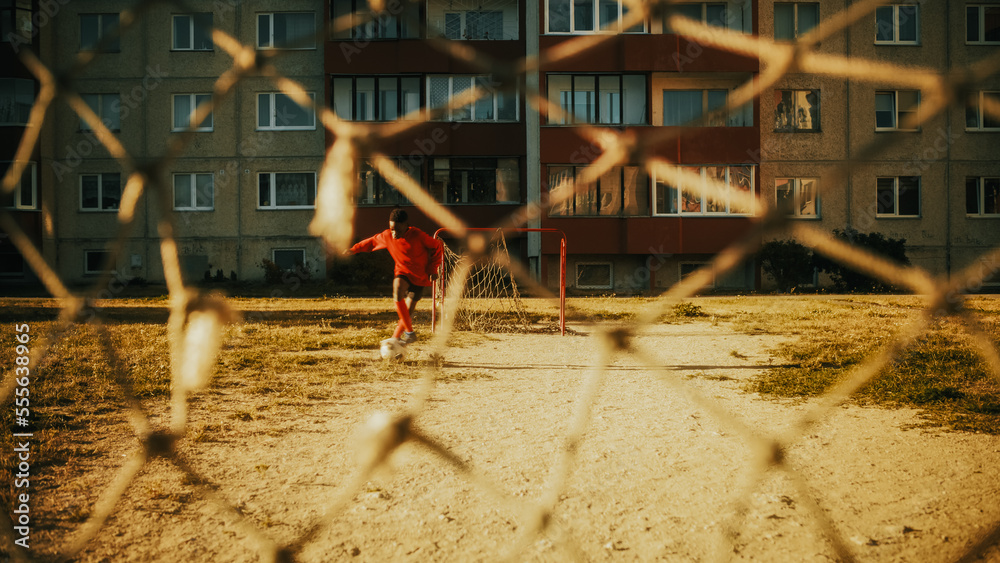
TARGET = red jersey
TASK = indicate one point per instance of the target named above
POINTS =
(417, 254)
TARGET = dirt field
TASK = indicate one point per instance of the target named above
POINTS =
(657, 476)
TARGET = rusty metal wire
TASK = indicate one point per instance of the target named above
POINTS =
(197, 320)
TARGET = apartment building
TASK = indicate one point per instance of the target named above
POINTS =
(18, 89)
(938, 184)
(244, 189)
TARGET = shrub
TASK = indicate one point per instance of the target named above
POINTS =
(848, 279)
(788, 262)
(366, 269)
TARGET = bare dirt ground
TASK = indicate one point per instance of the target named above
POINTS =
(657, 477)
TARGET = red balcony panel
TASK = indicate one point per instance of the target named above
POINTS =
(647, 235)
(370, 220)
(646, 53)
(586, 235)
(410, 55)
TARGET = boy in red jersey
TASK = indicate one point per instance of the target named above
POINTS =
(417, 256)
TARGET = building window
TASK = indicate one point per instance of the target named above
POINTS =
(100, 192)
(595, 275)
(621, 191)
(697, 199)
(94, 28)
(792, 20)
(184, 109)
(107, 107)
(611, 99)
(681, 107)
(278, 112)
(16, 25)
(715, 14)
(194, 192)
(587, 16)
(193, 32)
(25, 194)
(982, 24)
(977, 118)
(289, 259)
(686, 269)
(476, 180)
(896, 110)
(487, 20)
(97, 262)
(382, 98)
(286, 30)
(796, 110)
(897, 24)
(982, 196)
(494, 105)
(898, 196)
(798, 197)
(11, 263)
(373, 189)
(286, 190)
(17, 95)
(401, 23)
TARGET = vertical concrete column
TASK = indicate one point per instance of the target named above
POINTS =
(532, 120)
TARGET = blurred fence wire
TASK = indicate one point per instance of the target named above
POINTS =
(197, 320)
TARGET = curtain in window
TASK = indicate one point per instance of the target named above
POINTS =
(636, 192)
(291, 29)
(111, 191)
(182, 191)
(559, 16)
(634, 99)
(885, 109)
(681, 106)
(204, 190)
(294, 189)
(508, 181)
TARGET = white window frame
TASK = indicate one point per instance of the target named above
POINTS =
(274, 257)
(569, 117)
(100, 193)
(193, 101)
(796, 33)
(703, 205)
(19, 88)
(86, 261)
(797, 197)
(273, 113)
(895, 198)
(611, 275)
(981, 196)
(454, 113)
(269, 45)
(99, 110)
(978, 108)
(19, 189)
(273, 185)
(193, 187)
(896, 23)
(114, 47)
(596, 4)
(981, 32)
(897, 114)
(191, 31)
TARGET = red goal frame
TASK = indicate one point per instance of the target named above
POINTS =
(562, 270)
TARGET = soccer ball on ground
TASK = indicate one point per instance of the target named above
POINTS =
(392, 349)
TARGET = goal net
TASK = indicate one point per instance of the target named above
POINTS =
(490, 300)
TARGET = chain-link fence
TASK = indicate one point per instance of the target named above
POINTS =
(197, 320)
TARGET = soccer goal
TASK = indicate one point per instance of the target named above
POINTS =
(490, 300)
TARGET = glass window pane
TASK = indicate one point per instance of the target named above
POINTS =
(991, 23)
(288, 113)
(885, 109)
(808, 197)
(203, 32)
(808, 18)
(508, 180)
(715, 15)
(89, 191)
(411, 94)
(182, 190)
(264, 30)
(292, 29)
(972, 196)
(972, 23)
(388, 100)
(205, 190)
(182, 32)
(559, 87)
(584, 106)
(364, 99)
(438, 93)
(636, 192)
(909, 195)
(741, 182)
(263, 110)
(559, 16)
(453, 25)
(560, 189)
(716, 100)
(884, 23)
(634, 99)
(681, 106)
(885, 196)
(111, 191)
(991, 120)
(784, 21)
(609, 14)
(907, 23)
(294, 189)
(991, 196)
(484, 105)
(200, 99)
(109, 112)
(715, 202)
(610, 99)
(611, 192)
(264, 190)
(90, 31)
(691, 192)
(182, 111)
(459, 86)
(784, 192)
(109, 26)
(583, 15)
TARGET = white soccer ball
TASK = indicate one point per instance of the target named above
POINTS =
(392, 350)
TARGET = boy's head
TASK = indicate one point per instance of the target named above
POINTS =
(398, 223)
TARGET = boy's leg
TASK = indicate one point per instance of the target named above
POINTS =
(412, 297)
(400, 288)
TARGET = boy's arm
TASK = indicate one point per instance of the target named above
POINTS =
(367, 245)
